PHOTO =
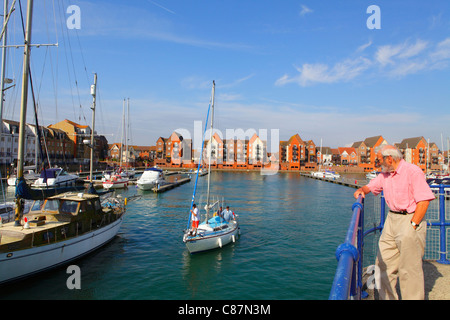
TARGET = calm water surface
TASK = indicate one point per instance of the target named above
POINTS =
(290, 229)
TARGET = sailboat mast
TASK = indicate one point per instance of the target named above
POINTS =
(94, 94)
(210, 149)
(23, 111)
(121, 138)
(2, 79)
(25, 75)
(127, 122)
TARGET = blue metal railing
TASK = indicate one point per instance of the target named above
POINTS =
(347, 282)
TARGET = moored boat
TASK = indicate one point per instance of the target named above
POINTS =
(55, 178)
(116, 181)
(31, 176)
(372, 175)
(325, 174)
(150, 178)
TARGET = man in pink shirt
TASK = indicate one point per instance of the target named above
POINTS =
(402, 242)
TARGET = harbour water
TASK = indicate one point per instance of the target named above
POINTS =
(290, 229)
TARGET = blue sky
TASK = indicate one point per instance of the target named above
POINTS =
(307, 67)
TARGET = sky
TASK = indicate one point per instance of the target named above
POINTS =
(331, 71)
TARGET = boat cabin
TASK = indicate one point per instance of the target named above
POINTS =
(58, 218)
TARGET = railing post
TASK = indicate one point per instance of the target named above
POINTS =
(359, 292)
(442, 224)
(382, 211)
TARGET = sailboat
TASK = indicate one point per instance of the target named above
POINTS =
(216, 231)
(57, 229)
(118, 179)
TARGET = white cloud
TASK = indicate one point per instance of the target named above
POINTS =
(414, 50)
(321, 73)
(364, 46)
(305, 10)
(395, 60)
(442, 50)
(386, 54)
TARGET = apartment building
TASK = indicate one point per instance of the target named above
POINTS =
(348, 156)
(257, 152)
(415, 150)
(292, 153)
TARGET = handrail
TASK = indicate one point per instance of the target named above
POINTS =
(347, 255)
(347, 282)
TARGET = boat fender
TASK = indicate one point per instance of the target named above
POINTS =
(27, 225)
(125, 201)
(233, 238)
(220, 242)
(1, 223)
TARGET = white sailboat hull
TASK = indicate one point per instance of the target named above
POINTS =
(213, 240)
(24, 263)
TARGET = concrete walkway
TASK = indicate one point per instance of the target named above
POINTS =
(437, 282)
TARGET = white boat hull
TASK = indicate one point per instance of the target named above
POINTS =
(24, 263)
(150, 179)
(145, 185)
(213, 240)
(54, 183)
(115, 184)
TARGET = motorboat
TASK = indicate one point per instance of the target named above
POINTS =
(151, 178)
(54, 178)
(116, 181)
(332, 174)
(372, 175)
(327, 174)
(30, 176)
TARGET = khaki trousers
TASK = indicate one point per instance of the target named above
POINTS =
(400, 252)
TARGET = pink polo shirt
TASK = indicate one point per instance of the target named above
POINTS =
(403, 188)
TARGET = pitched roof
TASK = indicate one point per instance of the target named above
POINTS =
(297, 137)
(349, 150)
(370, 142)
(410, 142)
(357, 144)
(75, 124)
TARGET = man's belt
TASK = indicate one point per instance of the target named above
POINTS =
(400, 212)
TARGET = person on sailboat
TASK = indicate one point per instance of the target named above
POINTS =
(195, 218)
(219, 212)
(227, 214)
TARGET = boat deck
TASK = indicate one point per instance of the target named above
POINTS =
(10, 233)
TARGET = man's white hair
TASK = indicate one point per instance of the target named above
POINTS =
(388, 150)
